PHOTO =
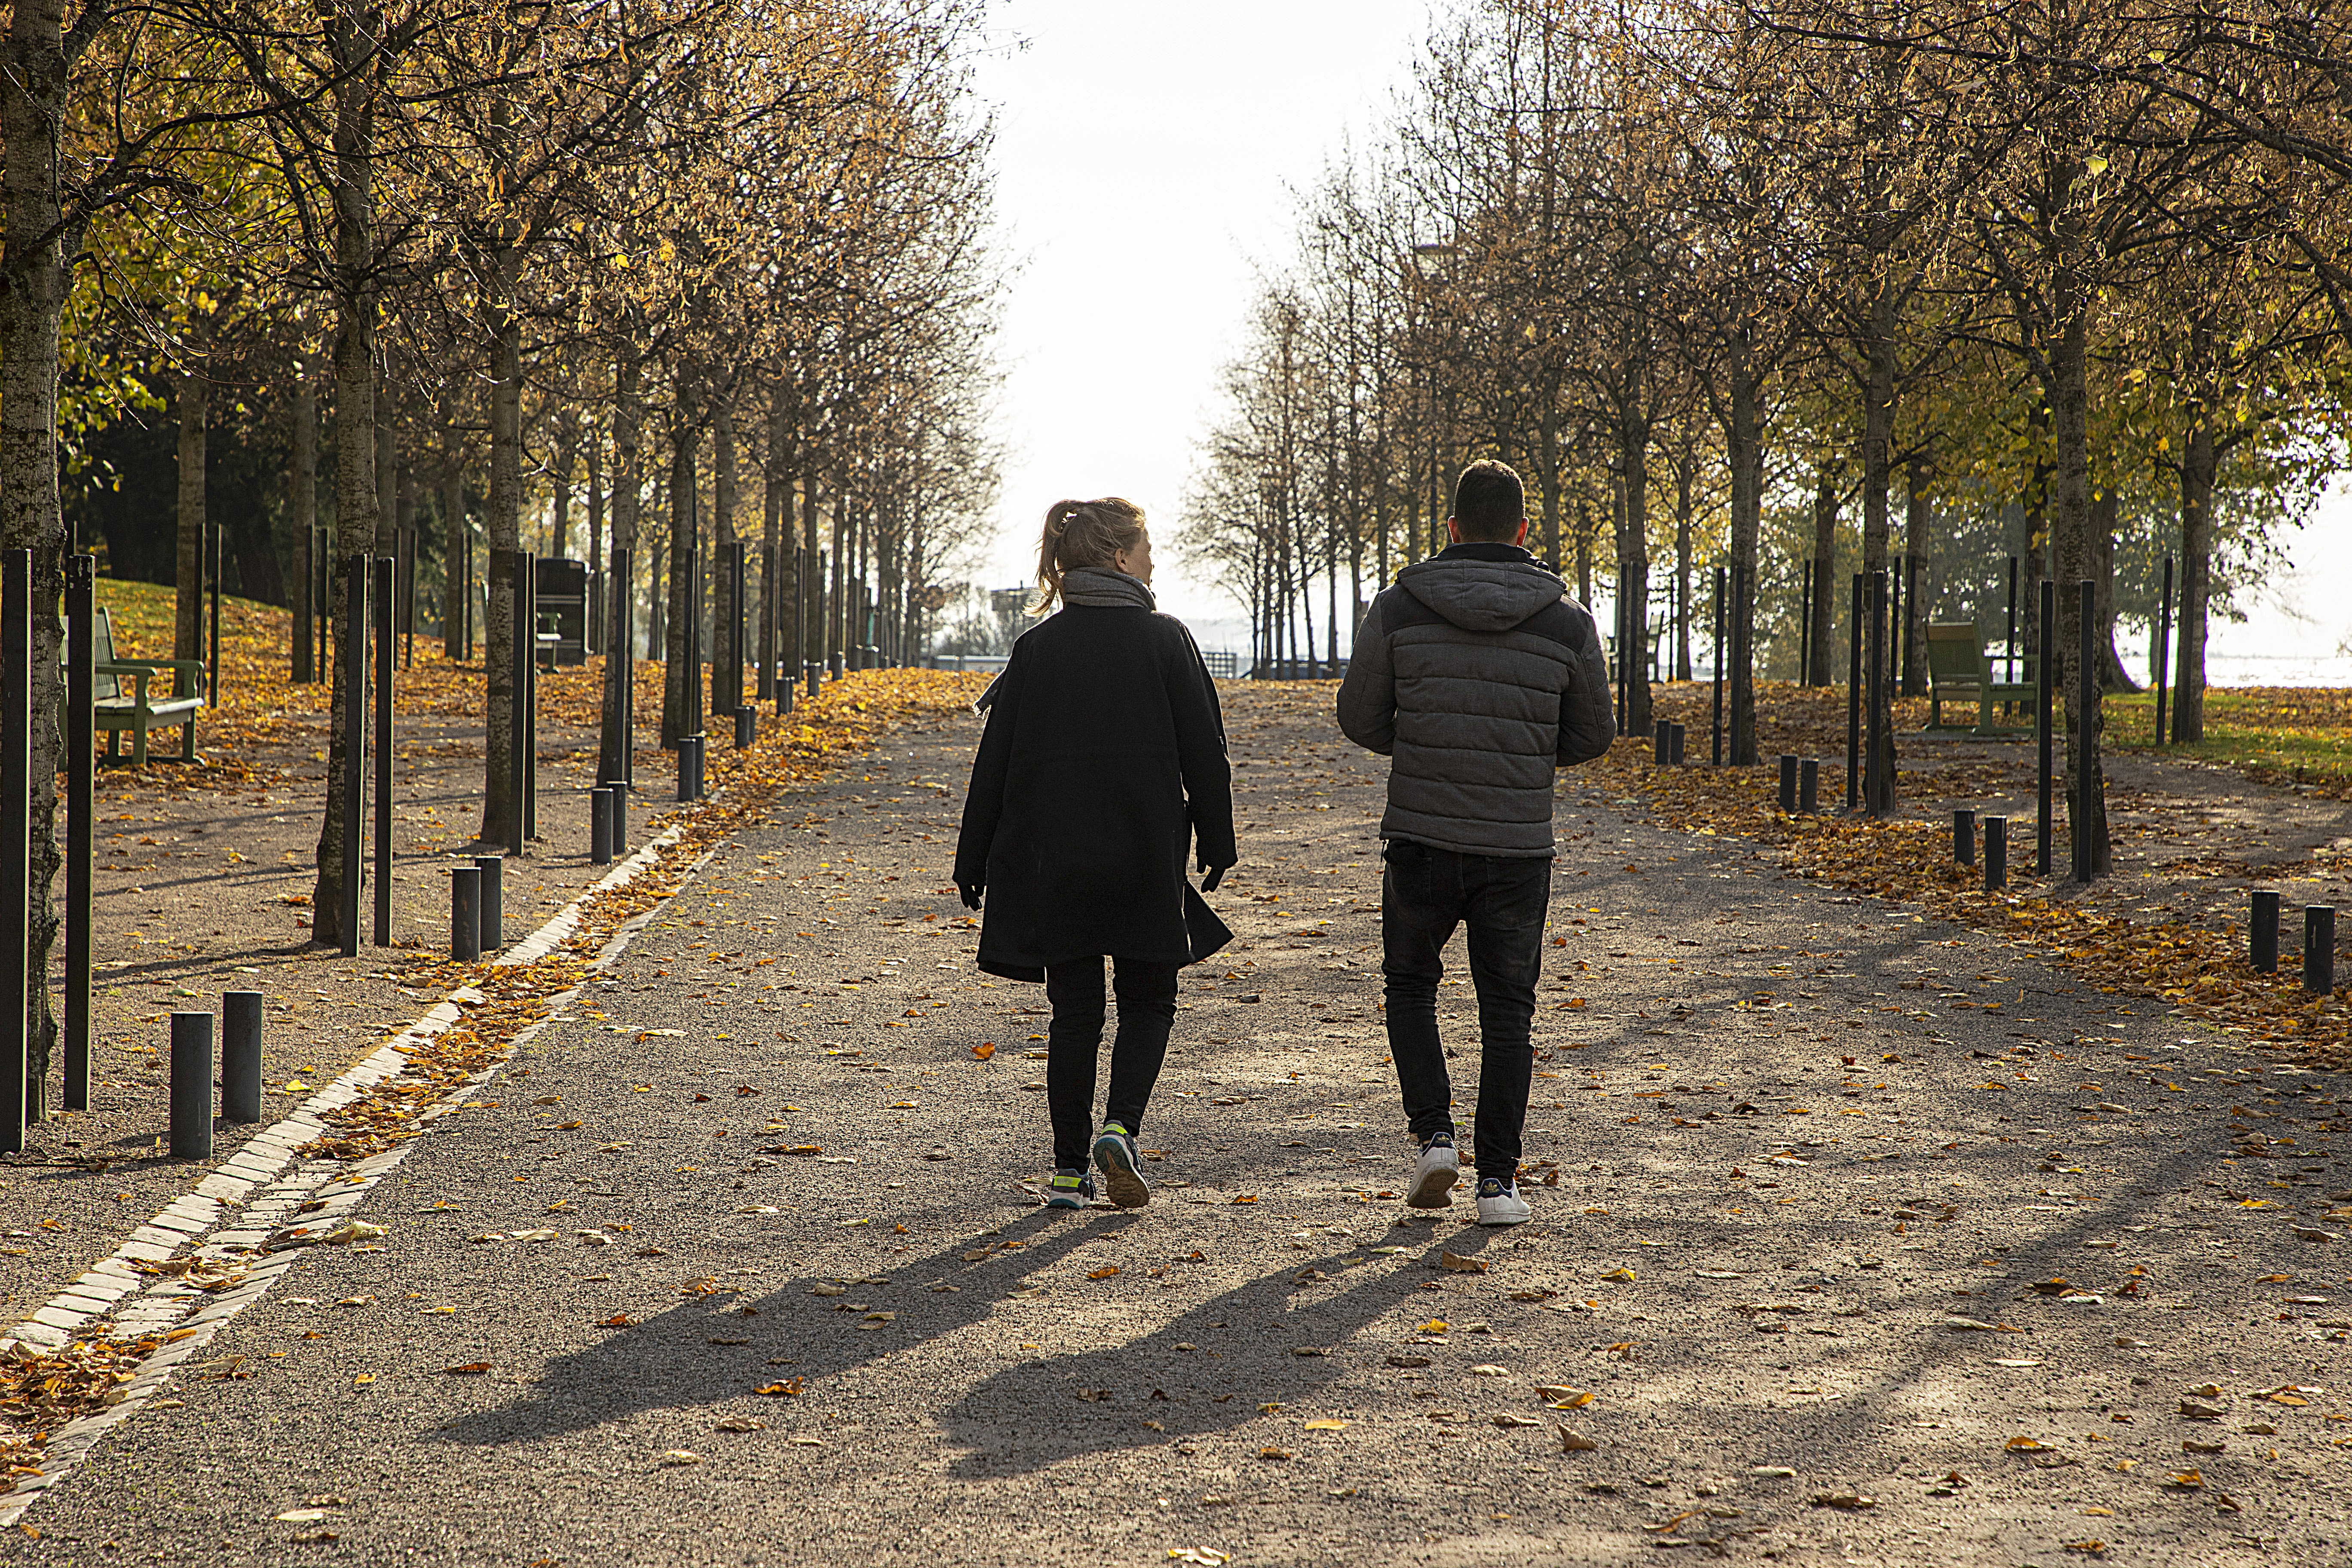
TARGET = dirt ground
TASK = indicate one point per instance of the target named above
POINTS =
(1859, 1236)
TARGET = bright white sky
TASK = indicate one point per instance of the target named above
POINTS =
(1147, 155)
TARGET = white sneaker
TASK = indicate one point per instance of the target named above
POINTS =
(1434, 1178)
(1499, 1202)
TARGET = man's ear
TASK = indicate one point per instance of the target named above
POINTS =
(1454, 529)
(1520, 538)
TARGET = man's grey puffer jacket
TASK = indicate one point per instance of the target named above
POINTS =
(1479, 675)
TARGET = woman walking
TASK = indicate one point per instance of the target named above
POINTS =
(1102, 760)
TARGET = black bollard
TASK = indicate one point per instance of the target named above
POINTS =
(747, 727)
(1662, 744)
(1996, 855)
(192, 1086)
(616, 801)
(492, 932)
(1809, 786)
(686, 767)
(2319, 949)
(464, 913)
(1789, 783)
(600, 827)
(2263, 934)
(1679, 735)
(1964, 836)
(240, 1072)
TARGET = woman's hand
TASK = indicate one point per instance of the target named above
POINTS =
(971, 892)
(1214, 875)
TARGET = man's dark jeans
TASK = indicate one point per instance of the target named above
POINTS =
(1424, 894)
(1146, 1011)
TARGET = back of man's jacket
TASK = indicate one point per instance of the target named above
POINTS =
(1478, 675)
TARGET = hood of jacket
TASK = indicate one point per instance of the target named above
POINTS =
(1482, 587)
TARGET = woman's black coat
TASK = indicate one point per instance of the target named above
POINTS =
(1104, 754)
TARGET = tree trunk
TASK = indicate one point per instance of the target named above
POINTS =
(1548, 453)
(776, 575)
(2198, 462)
(1584, 554)
(302, 512)
(1743, 440)
(2076, 559)
(1877, 482)
(1634, 568)
(1915, 521)
(193, 397)
(1683, 560)
(33, 282)
(457, 562)
(355, 291)
(615, 742)
(594, 444)
(503, 534)
(559, 514)
(680, 683)
(1825, 595)
(726, 657)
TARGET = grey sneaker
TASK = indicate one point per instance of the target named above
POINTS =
(1070, 1189)
(1434, 1175)
(1115, 1158)
(1499, 1202)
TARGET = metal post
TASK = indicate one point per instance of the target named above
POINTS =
(1787, 782)
(1809, 786)
(490, 929)
(518, 699)
(1719, 584)
(1996, 855)
(1853, 701)
(464, 913)
(2045, 734)
(356, 745)
(241, 1056)
(20, 1088)
(617, 803)
(212, 665)
(1678, 734)
(2163, 645)
(1964, 836)
(192, 1086)
(531, 703)
(2263, 933)
(2009, 640)
(1878, 792)
(600, 827)
(2081, 839)
(81, 766)
(1910, 623)
(386, 581)
(2319, 949)
(739, 579)
(1805, 627)
(1662, 744)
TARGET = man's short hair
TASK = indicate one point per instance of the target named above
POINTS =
(1490, 503)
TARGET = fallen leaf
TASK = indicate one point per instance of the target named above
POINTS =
(469, 1368)
(680, 1456)
(985, 1051)
(1623, 1276)
(1575, 1442)
(1509, 1418)
(1853, 1503)
(2026, 1445)
(1327, 1427)
(1105, 1272)
(1454, 1262)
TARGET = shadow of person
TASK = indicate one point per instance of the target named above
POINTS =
(713, 1349)
(1276, 1340)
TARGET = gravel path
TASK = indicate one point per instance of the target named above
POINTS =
(1868, 1240)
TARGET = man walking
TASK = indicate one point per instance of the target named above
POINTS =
(1477, 674)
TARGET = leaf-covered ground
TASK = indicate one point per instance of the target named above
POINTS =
(1862, 1234)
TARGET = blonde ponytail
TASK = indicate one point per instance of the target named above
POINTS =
(1082, 533)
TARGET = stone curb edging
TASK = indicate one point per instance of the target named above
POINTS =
(239, 1206)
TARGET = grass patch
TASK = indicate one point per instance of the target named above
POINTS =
(2277, 734)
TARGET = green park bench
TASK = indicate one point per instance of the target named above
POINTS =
(1958, 670)
(114, 711)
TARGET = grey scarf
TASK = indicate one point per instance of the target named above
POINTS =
(1097, 586)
